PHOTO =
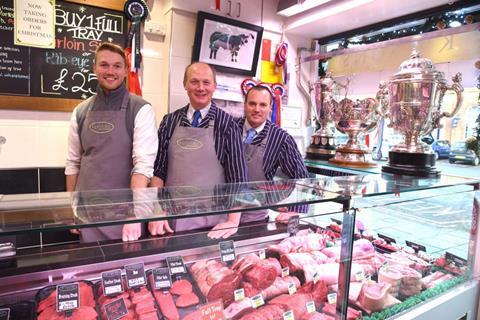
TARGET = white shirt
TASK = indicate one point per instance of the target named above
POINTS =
(145, 143)
(203, 112)
(247, 126)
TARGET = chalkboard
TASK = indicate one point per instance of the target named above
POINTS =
(57, 79)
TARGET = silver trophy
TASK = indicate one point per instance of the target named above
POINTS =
(355, 118)
(412, 100)
(322, 142)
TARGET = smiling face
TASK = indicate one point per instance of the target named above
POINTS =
(200, 84)
(258, 105)
(110, 69)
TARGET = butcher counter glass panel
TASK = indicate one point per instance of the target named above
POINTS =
(50, 211)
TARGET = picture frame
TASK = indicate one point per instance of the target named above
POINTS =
(231, 46)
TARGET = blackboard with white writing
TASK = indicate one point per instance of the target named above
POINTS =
(65, 72)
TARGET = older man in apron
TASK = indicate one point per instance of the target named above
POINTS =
(112, 143)
(200, 145)
(268, 148)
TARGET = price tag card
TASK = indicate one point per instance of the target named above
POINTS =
(212, 311)
(112, 282)
(176, 265)
(292, 226)
(5, 314)
(257, 301)
(316, 277)
(239, 294)
(332, 298)
(339, 222)
(311, 307)
(262, 254)
(67, 297)
(288, 315)
(227, 251)
(135, 275)
(415, 246)
(456, 260)
(291, 288)
(386, 238)
(162, 279)
(285, 272)
(360, 275)
(116, 309)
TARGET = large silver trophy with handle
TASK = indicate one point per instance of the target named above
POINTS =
(412, 100)
(322, 142)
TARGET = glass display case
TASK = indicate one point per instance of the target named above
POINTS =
(367, 246)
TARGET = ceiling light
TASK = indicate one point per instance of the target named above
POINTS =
(289, 8)
(454, 24)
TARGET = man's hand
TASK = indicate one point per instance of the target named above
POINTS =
(131, 231)
(284, 216)
(159, 228)
(223, 230)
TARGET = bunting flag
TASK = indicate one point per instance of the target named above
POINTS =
(281, 59)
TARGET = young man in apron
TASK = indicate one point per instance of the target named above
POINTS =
(112, 142)
(199, 145)
(268, 148)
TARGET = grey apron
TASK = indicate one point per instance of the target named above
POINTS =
(106, 163)
(254, 158)
(192, 161)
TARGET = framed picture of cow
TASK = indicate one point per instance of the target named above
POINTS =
(229, 45)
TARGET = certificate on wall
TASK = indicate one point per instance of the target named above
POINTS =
(34, 23)
(291, 117)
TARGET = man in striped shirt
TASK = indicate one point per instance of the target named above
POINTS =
(268, 148)
(199, 145)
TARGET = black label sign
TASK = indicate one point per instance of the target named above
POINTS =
(162, 279)
(227, 251)
(386, 238)
(451, 258)
(176, 265)
(336, 221)
(292, 226)
(67, 297)
(5, 314)
(116, 309)
(112, 282)
(415, 246)
(135, 275)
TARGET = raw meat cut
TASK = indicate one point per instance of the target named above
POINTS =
(296, 302)
(180, 287)
(317, 316)
(299, 243)
(238, 308)
(167, 306)
(187, 300)
(352, 314)
(267, 312)
(403, 280)
(318, 291)
(279, 286)
(373, 296)
(261, 275)
(298, 260)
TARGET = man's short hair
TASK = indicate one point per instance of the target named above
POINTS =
(259, 88)
(214, 72)
(107, 46)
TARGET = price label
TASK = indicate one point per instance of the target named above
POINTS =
(288, 315)
(212, 311)
(316, 277)
(176, 265)
(359, 275)
(415, 246)
(162, 279)
(261, 254)
(112, 282)
(386, 238)
(456, 260)
(285, 272)
(116, 309)
(135, 274)
(239, 294)
(227, 251)
(257, 301)
(332, 298)
(339, 222)
(67, 297)
(292, 226)
(5, 314)
(311, 307)
(291, 288)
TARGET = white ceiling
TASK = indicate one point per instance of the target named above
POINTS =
(312, 24)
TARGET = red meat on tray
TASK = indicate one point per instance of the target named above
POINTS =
(187, 300)
(167, 305)
(180, 287)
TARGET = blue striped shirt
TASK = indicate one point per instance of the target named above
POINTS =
(228, 142)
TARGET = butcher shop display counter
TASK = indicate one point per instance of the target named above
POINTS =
(371, 247)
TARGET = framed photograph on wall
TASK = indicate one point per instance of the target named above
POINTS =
(229, 45)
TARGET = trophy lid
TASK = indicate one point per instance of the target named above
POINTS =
(417, 67)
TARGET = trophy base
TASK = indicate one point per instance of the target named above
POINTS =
(412, 164)
(353, 158)
(319, 152)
